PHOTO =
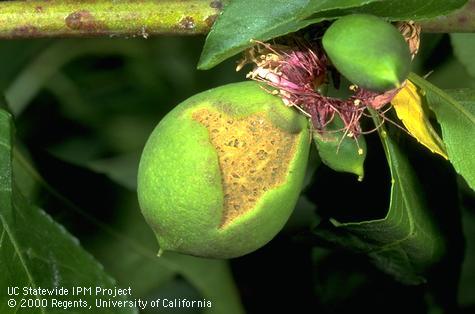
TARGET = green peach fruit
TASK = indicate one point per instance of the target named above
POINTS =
(368, 51)
(221, 173)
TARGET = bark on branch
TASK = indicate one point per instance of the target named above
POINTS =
(460, 21)
(66, 18)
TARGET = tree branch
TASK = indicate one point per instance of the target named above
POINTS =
(460, 21)
(67, 18)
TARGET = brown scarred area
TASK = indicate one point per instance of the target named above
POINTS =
(26, 31)
(253, 156)
(216, 4)
(462, 19)
(211, 19)
(84, 21)
(187, 23)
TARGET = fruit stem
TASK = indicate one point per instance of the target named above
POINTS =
(130, 18)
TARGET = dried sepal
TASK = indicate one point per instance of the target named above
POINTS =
(412, 34)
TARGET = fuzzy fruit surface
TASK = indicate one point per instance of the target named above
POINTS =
(368, 51)
(222, 172)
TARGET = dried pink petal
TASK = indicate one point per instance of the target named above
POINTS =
(297, 68)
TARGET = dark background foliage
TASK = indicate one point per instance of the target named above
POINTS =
(84, 109)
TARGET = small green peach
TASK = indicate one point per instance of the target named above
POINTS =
(368, 51)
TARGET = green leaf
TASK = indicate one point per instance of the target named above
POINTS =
(406, 242)
(340, 152)
(455, 112)
(138, 266)
(399, 10)
(133, 262)
(212, 278)
(244, 20)
(412, 9)
(464, 50)
(35, 251)
(121, 169)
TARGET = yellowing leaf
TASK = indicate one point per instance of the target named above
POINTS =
(408, 106)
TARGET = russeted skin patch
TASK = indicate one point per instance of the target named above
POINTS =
(253, 155)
